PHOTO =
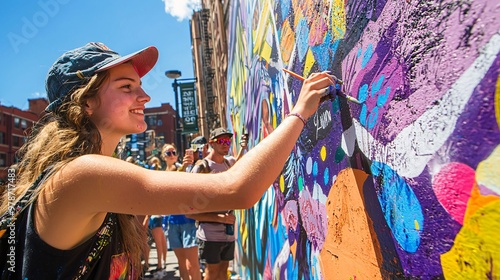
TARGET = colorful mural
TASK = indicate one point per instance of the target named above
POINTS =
(406, 184)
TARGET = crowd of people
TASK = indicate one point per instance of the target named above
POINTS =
(203, 243)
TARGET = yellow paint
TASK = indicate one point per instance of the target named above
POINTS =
(308, 63)
(282, 183)
(477, 201)
(338, 24)
(274, 115)
(417, 226)
(264, 33)
(244, 233)
(488, 170)
(323, 153)
(476, 250)
(497, 101)
(293, 250)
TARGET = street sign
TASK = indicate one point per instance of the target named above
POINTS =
(189, 108)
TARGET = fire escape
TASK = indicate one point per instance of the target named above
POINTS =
(208, 71)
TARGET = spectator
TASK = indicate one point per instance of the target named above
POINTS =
(154, 163)
(216, 229)
(200, 147)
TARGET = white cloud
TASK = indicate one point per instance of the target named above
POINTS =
(181, 9)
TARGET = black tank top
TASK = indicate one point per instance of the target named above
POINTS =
(35, 259)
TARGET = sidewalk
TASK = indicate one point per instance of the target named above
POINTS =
(172, 272)
(172, 269)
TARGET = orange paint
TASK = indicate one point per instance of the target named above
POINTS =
(287, 41)
(349, 248)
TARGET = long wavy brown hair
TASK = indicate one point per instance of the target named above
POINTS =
(59, 138)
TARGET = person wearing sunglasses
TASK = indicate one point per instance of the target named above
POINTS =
(216, 239)
(171, 157)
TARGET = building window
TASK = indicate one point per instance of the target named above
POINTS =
(24, 124)
(17, 122)
(2, 138)
(151, 120)
(17, 141)
(3, 160)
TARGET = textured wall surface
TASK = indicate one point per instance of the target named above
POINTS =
(404, 185)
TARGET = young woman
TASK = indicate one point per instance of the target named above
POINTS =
(78, 217)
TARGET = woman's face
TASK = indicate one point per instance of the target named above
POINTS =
(170, 155)
(121, 102)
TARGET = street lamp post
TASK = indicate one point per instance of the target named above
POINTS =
(179, 128)
(175, 74)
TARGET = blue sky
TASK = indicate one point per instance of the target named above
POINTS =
(35, 33)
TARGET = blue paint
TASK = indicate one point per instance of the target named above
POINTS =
(285, 9)
(376, 87)
(292, 271)
(335, 105)
(315, 169)
(333, 49)
(322, 52)
(400, 206)
(301, 38)
(366, 57)
(362, 115)
(363, 93)
(326, 177)
(360, 51)
(382, 99)
(373, 118)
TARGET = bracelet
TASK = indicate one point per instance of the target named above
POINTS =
(298, 116)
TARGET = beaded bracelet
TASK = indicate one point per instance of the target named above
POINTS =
(298, 116)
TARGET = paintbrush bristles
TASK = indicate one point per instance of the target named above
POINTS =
(329, 96)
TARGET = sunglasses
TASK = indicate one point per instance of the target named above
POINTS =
(170, 153)
(223, 141)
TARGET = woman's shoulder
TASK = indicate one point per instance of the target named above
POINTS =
(94, 162)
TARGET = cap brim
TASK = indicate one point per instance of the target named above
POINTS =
(224, 134)
(143, 61)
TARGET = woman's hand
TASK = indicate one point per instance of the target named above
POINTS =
(313, 89)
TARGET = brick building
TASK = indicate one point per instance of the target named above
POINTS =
(161, 130)
(14, 125)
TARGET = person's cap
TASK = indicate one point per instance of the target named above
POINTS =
(75, 67)
(198, 142)
(219, 132)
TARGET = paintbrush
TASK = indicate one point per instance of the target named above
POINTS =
(339, 81)
(332, 89)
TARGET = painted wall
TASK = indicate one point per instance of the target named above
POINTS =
(404, 185)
